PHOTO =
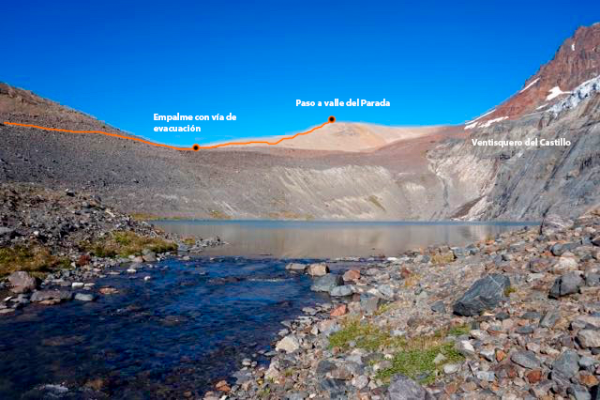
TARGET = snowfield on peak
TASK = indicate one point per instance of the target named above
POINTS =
(555, 92)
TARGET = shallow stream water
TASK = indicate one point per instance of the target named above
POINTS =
(192, 322)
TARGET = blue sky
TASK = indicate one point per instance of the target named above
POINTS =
(436, 62)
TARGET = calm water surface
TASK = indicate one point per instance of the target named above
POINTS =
(333, 239)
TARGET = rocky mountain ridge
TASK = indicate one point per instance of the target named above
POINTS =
(576, 61)
(433, 174)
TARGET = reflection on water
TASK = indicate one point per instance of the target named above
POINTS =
(333, 239)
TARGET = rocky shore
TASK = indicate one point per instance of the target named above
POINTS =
(512, 317)
(55, 245)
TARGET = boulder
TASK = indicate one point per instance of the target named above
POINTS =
(21, 282)
(403, 388)
(351, 275)
(341, 291)
(326, 283)
(589, 338)
(486, 293)
(567, 363)
(553, 223)
(50, 296)
(289, 344)
(317, 269)
(566, 284)
(526, 359)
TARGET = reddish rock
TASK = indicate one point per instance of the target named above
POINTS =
(108, 290)
(576, 61)
(500, 355)
(450, 389)
(84, 259)
(405, 272)
(339, 311)
(587, 379)
(534, 376)
(222, 386)
(351, 275)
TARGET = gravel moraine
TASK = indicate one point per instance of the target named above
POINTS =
(40, 226)
(514, 317)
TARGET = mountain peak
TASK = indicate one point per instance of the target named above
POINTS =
(576, 61)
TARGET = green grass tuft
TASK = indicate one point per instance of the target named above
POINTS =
(126, 243)
(417, 363)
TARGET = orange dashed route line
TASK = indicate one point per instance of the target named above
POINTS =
(195, 147)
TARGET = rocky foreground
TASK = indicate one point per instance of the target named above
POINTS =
(516, 317)
(55, 245)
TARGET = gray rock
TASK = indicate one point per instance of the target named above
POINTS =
(553, 223)
(566, 284)
(84, 297)
(592, 279)
(596, 241)
(549, 319)
(296, 396)
(587, 362)
(324, 367)
(386, 291)
(484, 294)
(403, 388)
(149, 256)
(289, 344)
(341, 291)
(438, 307)
(525, 359)
(21, 282)
(567, 363)
(531, 315)
(369, 303)
(451, 368)
(487, 376)
(589, 338)
(578, 392)
(459, 252)
(326, 283)
(6, 231)
(335, 387)
(51, 295)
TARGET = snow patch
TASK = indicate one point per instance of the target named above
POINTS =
(530, 85)
(581, 92)
(572, 46)
(555, 92)
(542, 106)
(492, 121)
